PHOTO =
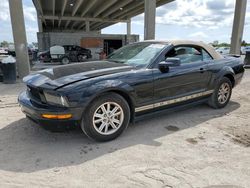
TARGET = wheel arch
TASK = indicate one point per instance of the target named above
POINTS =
(231, 78)
(227, 72)
(123, 93)
(129, 100)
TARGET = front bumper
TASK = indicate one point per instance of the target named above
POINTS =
(34, 111)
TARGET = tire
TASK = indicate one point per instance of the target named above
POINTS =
(98, 122)
(65, 60)
(82, 57)
(215, 101)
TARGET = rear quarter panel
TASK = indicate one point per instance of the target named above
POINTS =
(226, 66)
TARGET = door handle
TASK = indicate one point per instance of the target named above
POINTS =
(202, 70)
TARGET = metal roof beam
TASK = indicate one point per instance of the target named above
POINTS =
(81, 25)
(76, 7)
(74, 24)
(63, 7)
(128, 9)
(104, 7)
(38, 6)
(62, 12)
(108, 12)
(77, 18)
(67, 23)
(53, 10)
(59, 22)
(85, 25)
(163, 2)
(94, 25)
(118, 6)
(137, 9)
(132, 13)
(102, 26)
(89, 6)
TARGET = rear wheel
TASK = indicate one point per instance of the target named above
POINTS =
(106, 118)
(65, 60)
(222, 94)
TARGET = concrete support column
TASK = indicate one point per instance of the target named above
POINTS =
(128, 31)
(19, 35)
(129, 27)
(87, 26)
(40, 24)
(149, 19)
(238, 26)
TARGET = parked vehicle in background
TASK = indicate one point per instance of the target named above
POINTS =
(223, 50)
(3, 51)
(58, 53)
(143, 78)
(245, 49)
(31, 53)
(77, 53)
(44, 56)
(72, 53)
(34, 51)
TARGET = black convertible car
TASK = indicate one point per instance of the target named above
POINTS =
(143, 78)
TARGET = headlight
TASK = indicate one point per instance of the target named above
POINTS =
(56, 99)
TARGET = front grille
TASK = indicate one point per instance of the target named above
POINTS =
(36, 94)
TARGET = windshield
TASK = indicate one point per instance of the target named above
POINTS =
(138, 54)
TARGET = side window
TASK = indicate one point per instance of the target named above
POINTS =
(69, 48)
(65, 48)
(76, 48)
(73, 48)
(186, 54)
(206, 56)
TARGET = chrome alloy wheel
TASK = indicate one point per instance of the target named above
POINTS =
(108, 118)
(224, 93)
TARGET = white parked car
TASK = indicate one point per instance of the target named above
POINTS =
(3, 50)
(223, 50)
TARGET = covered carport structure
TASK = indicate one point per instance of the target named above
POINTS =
(79, 22)
(60, 18)
(94, 15)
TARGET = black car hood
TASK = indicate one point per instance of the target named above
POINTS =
(60, 76)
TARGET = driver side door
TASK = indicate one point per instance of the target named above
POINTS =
(191, 77)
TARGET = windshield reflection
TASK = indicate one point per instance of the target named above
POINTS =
(137, 54)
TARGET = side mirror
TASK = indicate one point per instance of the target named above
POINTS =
(169, 62)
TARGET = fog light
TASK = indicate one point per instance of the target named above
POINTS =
(53, 116)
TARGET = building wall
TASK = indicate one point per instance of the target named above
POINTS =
(48, 39)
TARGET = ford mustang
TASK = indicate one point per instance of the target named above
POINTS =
(140, 79)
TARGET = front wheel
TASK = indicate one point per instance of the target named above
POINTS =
(222, 94)
(106, 118)
(82, 57)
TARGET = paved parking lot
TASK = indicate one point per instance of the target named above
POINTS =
(199, 147)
